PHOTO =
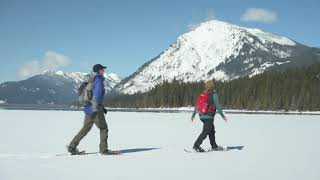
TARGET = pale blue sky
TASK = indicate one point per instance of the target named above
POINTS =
(125, 34)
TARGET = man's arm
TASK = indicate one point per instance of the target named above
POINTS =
(97, 98)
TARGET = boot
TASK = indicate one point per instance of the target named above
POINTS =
(198, 149)
(217, 148)
(74, 151)
(110, 152)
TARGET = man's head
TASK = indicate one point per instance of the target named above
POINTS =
(98, 68)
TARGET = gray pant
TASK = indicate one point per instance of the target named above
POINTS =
(208, 130)
(100, 121)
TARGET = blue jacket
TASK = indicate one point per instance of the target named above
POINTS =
(97, 97)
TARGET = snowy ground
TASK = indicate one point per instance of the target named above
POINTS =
(275, 147)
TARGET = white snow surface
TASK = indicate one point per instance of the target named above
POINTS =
(275, 147)
(263, 67)
(272, 38)
(75, 76)
(195, 55)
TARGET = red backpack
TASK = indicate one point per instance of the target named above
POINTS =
(205, 104)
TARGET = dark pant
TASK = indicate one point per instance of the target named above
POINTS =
(208, 130)
(100, 121)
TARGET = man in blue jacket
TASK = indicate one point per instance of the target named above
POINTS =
(94, 114)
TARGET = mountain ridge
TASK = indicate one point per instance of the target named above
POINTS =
(219, 50)
(49, 87)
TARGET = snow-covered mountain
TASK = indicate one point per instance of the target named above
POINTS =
(219, 50)
(112, 79)
(49, 87)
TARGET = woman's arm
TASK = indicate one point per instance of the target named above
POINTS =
(194, 113)
(218, 105)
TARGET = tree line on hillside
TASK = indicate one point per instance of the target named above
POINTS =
(293, 89)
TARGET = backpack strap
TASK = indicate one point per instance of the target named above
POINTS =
(211, 102)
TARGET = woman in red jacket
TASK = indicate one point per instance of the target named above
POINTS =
(207, 105)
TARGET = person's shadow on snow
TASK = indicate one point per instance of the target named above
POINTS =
(234, 148)
(134, 150)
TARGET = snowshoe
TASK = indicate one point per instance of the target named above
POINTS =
(218, 148)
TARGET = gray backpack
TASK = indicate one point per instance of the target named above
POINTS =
(85, 91)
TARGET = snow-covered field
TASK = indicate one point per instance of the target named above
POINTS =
(275, 147)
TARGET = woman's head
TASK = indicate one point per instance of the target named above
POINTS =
(209, 85)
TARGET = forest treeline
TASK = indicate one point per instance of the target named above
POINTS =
(293, 89)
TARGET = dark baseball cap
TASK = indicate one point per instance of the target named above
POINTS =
(97, 67)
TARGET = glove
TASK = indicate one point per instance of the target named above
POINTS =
(94, 113)
(105, 111)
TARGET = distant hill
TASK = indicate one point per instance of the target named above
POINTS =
(49, 88)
